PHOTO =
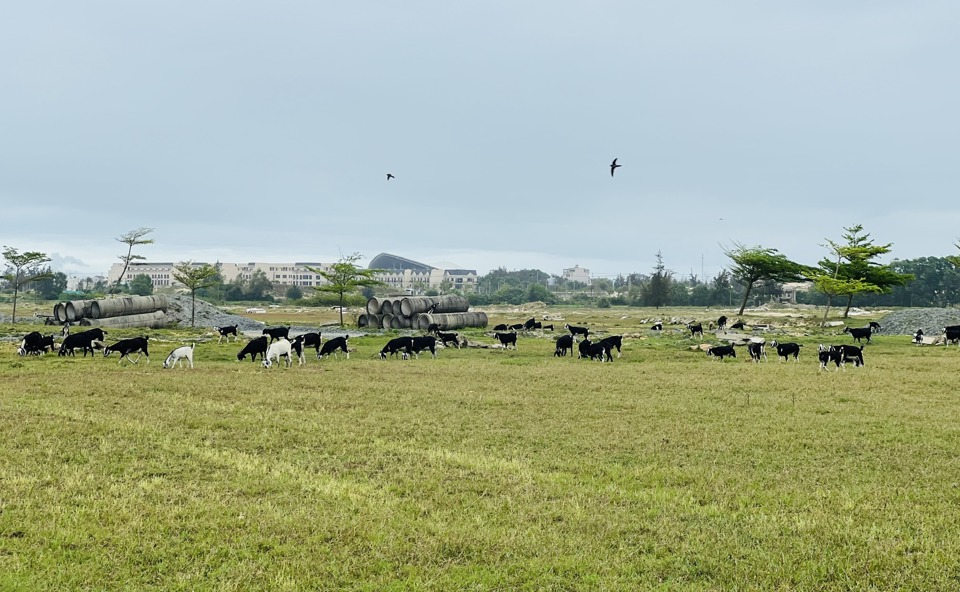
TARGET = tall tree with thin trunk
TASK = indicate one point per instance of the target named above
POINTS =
(194, 276)
(25, 269)
(656, 292)
(954, 259)
(132, 239)
(753, 264)
(346, 277)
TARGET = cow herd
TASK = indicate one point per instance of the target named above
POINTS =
(275, 343)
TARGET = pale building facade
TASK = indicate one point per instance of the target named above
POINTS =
(577, 274)
(285, 274)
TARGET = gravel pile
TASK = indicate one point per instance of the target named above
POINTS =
(206, 315)
(931, 320)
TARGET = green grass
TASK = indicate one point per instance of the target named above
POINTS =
(483, 470)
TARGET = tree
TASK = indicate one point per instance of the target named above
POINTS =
(132, 239)
(51, 287)
(258, 287)
(656, 292)
(539, 293)
(194, 276)
(954, 259)
(141, 285)
(294, 293)
(26, 269)
(345, 277)
(753, 264)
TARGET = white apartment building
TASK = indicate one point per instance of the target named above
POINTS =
(411, 276)
(286, 274)
(577, 274)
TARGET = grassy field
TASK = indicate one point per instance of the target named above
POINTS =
(484, 469)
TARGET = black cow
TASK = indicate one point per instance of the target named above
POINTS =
(564, 343)
(35, 343)
(657, 327)
(785, 350)
(516, 327)
(506, 339)
(418, 344)
(874, 326)
(548, 327)
(331, 347)
(227, 332)
(253, 348)
(722, 323)
(850, 353)
(404, 345)
(615, 341)
(584, 331)
(277, 333)
(918, 337)
(84, 340)
(721, 351)
(530, 324)
(858, 333)
(757, 351)
(433, 328)
(310, 340)
(125, 347)
(501, 327)
(952, 333)
(696, 330)
(446, 338)
(594, 351)
(737, 325)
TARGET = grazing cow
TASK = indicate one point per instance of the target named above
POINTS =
(594, 351)
(658, 326)
(506, 339)
(918, 337)
(696, 330)
(179, 355)
(253, 348)
(850, 353)
(584, 331)
(614, 341)
(952, 333)
(830, 354)
(281, 347)
(125, 347)
(516, 327)
(446, 338)
(858, 333)
(433, 328)
(334, 345)
(85, 340)
(757, 351)
(34, 343)
(501, 327)
(722, 323)
(874, 326)
(785, 350)
(564, 343)
(403, 345)
(309, 340)
(530, 324)
(277, 332)
(418, 344)
(737, 325)
(721, 351)
(548, 327)
(297, 346)
(227, 332)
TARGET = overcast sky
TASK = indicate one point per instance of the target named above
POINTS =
(247, 131)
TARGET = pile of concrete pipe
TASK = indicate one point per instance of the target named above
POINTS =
(123, 312)
(417, 312)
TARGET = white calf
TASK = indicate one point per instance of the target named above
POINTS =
(179, 355)
(280, 347)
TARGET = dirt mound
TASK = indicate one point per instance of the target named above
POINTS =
(931, 320)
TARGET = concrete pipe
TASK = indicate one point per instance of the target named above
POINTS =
(452, 320)
(386, 320)
(60, 312)
(362, 321)
(373, 306)
(386, 307)
(128, 305)
(370, 321)
(78, 309)
(395, 323)
(444, 304)
(149, 320)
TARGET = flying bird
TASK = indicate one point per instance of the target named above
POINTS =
(614, 166)
(390, 176)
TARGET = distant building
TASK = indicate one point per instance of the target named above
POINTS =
(407, 274)
(283, 274)
(577, 274)
(788, 291)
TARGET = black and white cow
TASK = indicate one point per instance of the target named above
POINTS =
(125, 347)
(952, 333)
(594, 351)
(332, 346)
(827, 355)
(614, 341)
(275, 333)
(253, 348)
(425, 342)
(918, 337)
(401, 345)
(85, 340)
(507, 339)
(227, 332)
(530, 324)
(722, 351)
(446, 338)
(737, 325)
(582, 331)
(310, 340)
(516, 327)
(501, 327)
(874, 326)
(433, 328)
(658, 326)
(785, 350)
(858, 333)
(564, 343)
(722, 323)
(850, 353)
(696, 330)
(757, 351)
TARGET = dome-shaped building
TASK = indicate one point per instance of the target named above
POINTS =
(407, 274)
